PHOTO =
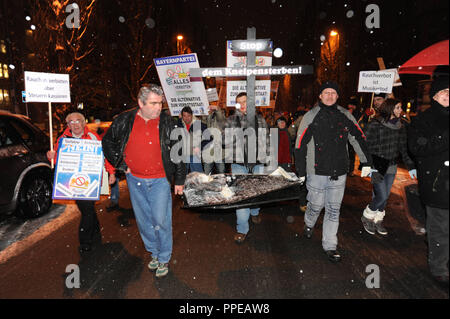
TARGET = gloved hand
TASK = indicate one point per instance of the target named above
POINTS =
(413, 173)
(302, 180)
(365, 171)
(375, 176)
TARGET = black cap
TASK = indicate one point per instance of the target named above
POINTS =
(440, 83)
(281, 118)
(329, 85)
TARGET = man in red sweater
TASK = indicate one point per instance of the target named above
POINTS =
(138, 142)
(89, 226)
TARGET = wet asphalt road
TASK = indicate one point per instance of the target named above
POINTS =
(275, 262)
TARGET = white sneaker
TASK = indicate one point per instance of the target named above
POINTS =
(163, 269)
(153, 264)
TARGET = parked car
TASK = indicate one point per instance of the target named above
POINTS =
(25, 173)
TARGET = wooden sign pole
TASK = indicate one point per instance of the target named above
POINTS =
(50, 128)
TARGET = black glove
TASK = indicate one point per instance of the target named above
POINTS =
(376, 178)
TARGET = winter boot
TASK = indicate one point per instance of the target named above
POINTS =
(379, 223)
(368, 220)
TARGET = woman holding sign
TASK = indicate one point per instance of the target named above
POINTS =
(386, 139)
(89, 226)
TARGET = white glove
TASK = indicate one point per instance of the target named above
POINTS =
(302, 180)
(413, 174)
(366, 171)
(372, 170)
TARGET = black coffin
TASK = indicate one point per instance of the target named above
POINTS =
(289, 191)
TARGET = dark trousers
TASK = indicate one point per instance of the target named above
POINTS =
(89, 226)
(351, 158)
(381, 192)
(437, 232)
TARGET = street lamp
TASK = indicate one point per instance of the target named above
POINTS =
(179, 45)
(333, 33)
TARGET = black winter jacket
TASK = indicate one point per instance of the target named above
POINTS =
(321, 146)
(428, 142)
(116, 139)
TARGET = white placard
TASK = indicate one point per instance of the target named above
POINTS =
(397, 81)
(239, 59)
(262, 92)
(376, 81)
(47, 87)
(212, 94)
(181, 90)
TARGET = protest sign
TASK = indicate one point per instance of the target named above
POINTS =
(47, 87)
(376, 81)
(78, 173)
(262, 92)
(397, 81)
(181, 90)
(239, 60)
(212, 94)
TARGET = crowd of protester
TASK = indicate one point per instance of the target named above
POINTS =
(318, 143)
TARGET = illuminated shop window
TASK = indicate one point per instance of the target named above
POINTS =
(5, 71)
(1, 72)
(6, 96)
(1, 97)
(2, 46)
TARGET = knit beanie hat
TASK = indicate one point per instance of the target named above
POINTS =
(281, 118)
(440, 83)
(329, 85)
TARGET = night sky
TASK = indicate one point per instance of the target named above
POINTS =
(297, 26)
(406, 27)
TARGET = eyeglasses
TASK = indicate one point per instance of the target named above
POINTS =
(74, 122)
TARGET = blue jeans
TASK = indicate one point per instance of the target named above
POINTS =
(242, 215)
(381, 192)
(115, 192)
(152, 206)
(194, 164)
(323, 192)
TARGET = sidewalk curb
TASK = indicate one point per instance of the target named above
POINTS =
(69, 214)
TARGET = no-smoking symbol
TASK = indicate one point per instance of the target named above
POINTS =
(79, 183)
